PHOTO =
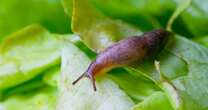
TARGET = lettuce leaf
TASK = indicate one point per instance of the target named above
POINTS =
(196, 57)
(44, 99)
(202, 40)
(150, 14)
(28, 86)
(16, 15)
(52, 76)
(196, 17)
(184, 64)
(145, 14)
(96, 24)
(156, 101)
(26, 54)
(137, 87)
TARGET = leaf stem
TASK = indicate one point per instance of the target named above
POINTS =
(182, 7)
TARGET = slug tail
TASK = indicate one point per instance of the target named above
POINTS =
(86, 75)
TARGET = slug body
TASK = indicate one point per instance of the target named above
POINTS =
(126, 52)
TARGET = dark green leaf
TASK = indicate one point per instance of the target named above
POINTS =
(15, 15)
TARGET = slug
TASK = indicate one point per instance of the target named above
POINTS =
(126, 52)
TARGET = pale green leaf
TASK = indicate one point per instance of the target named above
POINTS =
(44, 99)
(27, 53)
(81, 96)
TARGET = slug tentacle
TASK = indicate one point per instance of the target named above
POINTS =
(79, 78)
(88, 76)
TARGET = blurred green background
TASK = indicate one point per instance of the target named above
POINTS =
(144, 14)
(15, 15)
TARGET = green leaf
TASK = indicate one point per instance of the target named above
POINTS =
(196, 17)
(137, 87)
(95, 29)
(188, 74)
(27, 53)
(184, 63)
(81, 96)
(44, 99)
(28, 86)
(134, 6)
(15, 15)
(52, 76)
(183, 5)
(145, 14)
(150, 14)
(202, 40)
(67, 4)
(156, 101)
(172, 94)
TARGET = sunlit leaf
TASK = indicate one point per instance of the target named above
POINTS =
(95, 29)
(27, 53)
(52, 76)
(44, 99)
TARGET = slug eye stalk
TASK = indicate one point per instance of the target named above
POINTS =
(88, 76)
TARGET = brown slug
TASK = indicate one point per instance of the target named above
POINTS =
(126, 52)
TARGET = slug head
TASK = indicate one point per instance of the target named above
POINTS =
(156, 41)
(86, 75)
(89, 74)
